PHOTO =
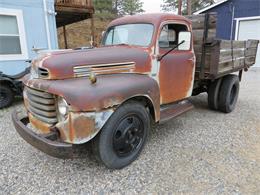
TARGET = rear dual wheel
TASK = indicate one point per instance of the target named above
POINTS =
(223, 94)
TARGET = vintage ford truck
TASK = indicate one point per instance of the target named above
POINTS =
(144, 72)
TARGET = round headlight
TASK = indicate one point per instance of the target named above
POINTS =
(63, 106)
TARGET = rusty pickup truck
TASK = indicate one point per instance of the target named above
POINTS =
(144, 72)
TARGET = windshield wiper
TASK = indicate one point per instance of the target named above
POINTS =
(161, 57)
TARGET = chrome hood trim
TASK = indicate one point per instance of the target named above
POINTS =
(86, 70)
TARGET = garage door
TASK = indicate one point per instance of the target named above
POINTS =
(250, 29)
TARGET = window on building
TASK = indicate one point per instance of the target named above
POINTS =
(9, 35)
(12, 35)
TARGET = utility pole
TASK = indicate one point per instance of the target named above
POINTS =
(179, 7)
(189, 7)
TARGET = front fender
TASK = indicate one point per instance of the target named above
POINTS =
(91, 105)
(107, 92)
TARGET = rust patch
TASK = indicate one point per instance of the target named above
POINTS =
(107, 92)
(81, 127)
(175, 76)
(42, 127)
(60, 65)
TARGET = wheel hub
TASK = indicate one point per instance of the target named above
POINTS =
(128, 135)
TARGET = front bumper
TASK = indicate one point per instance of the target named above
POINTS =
(47, 143)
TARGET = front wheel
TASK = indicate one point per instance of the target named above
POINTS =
(6, 96)
(122, 138)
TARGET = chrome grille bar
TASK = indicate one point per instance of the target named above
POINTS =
(42, 105)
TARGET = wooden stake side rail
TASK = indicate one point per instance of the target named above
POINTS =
(214, 57)
(224, 57)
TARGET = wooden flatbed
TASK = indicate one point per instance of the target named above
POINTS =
(216, 58)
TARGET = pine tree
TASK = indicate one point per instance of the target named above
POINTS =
(131, 7)
(172, 5)
(113, 8)
(104, 9)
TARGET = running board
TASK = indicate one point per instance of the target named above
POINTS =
(173, 110)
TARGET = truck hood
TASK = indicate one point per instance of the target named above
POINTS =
(77, 63)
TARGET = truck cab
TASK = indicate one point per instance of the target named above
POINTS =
(156, 36)
(143, 73)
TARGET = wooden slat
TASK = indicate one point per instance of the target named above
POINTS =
(250, 60)
(251, 52)
(239, 62)
(225, 44)
(227, 53)
(225, 66)
(198, 36)
(239, 44)
(198, 21)
(197, 48)
(252, 43)
(207, 60)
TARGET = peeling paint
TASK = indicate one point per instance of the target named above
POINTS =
(81, 127)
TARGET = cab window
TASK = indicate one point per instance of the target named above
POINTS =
(169, 36)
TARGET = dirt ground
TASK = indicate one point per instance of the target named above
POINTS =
(200, 152)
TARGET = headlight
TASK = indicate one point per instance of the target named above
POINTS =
(63, 107)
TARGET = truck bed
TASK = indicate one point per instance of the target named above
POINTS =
(215, 57)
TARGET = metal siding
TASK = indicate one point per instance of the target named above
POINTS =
(34, 22)
(243, 8)
(244, 34)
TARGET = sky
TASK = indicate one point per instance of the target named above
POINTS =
(152, 5)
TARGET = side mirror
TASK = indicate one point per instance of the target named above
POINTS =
(186, 37)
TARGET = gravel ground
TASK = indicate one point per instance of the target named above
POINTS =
(201, 151)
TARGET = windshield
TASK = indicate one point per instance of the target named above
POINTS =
(130, 34)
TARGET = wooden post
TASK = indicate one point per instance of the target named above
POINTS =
(189, 7)
(179, 7)
(92, 31)
(65, 37)
(92, 24)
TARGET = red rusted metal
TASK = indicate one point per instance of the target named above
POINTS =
(114, 85)
(176, 76)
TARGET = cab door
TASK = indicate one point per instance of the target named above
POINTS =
(176, 72)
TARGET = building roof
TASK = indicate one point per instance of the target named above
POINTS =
(210, 7)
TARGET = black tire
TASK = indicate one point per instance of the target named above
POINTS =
(228, 94)
(213, 94)
(113, 146)
(6, 96)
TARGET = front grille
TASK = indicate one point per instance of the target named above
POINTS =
(42, 105)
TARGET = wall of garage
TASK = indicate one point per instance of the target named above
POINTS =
(238, 20)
